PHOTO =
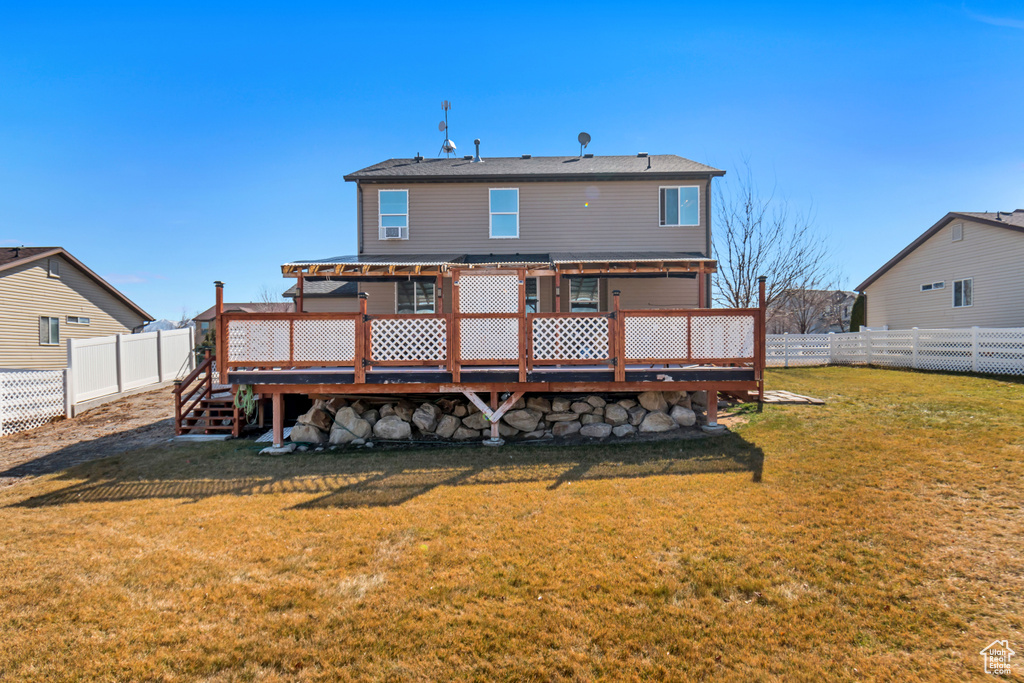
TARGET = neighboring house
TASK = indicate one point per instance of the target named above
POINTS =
(630, 220)
(965, 270)
(205, 319)
(48, 296)
(811, 311)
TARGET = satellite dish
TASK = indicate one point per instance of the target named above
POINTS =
(584, 139)
(441, 126)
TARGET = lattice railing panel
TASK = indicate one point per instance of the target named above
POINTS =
(409, 339)
(489, 338)
(655, 337)
(488, 294)
(258, 341)
(326, 341)
(569, 338)
(722, 336)
(30, 399)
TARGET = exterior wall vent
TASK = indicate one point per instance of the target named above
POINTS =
(641, 154)
(527, 156)
(588, 155)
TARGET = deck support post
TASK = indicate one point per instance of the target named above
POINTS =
(760, 353)
(617, 338)
(712, 426)
(278, 410)
(218, 325)
(300, 307)
(362, 343)
(700, 285)
(493, 412)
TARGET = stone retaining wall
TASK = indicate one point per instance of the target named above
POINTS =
(341, 421)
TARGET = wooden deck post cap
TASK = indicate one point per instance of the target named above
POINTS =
(616, 292)
(363, 295)
(218, 283)
(762, 278)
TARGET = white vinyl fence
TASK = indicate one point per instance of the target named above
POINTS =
(30, 398)
(998, 351)
(97, 368)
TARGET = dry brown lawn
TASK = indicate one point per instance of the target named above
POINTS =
(878, 537)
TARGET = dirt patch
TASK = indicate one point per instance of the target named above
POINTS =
(126, 424)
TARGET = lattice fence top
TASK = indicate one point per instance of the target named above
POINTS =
(656, 337)
(488, 293)
(327, 341)
(412, 339)
(489, 338)
(570, 338)
(29, 399)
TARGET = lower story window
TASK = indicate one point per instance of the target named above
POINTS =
(532, 295)
(414, 297)
(584, 295)
(49, 331)
(963, 293)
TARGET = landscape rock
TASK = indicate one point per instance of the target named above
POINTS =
(598, 411)
(471, 408)
(699, 398)
(525, 419)
(359, 405)
(392, 427)
(657, 421)
(539, 403)
(506, 431)
(615, 414)
(426, 416)
(561, 417)
(566, 428)
(624, 430)
(580, 407)
(626, 403)
(560, 404)
(673, 397)
(684, 417)
(460, 410)
(590, 419)
(306, 433)
(447, 425)
(348, 427)
(476, 421)
(684, 401)
(279, 450)
(387, 410)
(636, 415)
(318, 417)
(653, 400)
(597, 430)
(336, 404)
(519, 404)
(596, 401)
(446, 405)
(371, 416)
(536, 434)
(404, 409)
(465, 434)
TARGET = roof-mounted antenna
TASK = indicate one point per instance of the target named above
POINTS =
(448, 147)
(584, 139)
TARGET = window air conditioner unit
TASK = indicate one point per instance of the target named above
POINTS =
(393, 233)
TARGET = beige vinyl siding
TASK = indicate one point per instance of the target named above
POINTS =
(553, 216)
(655, 293)
(992, 256)
(27, 292)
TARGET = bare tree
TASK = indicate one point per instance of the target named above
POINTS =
(185, 320)
(268, 300)
(760, 235)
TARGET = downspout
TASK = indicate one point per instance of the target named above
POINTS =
(359, 217)
(707, 242)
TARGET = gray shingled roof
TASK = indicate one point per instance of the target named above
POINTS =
(535, 167)
(316, 287)
(606, 256)
(501, 259)
(397, 260)
(1012, 217)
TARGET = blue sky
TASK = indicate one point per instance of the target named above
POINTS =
(170, 147)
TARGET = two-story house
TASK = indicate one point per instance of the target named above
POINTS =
(641, 224)
(506, 276)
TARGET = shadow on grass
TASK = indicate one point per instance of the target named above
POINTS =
(357, 479)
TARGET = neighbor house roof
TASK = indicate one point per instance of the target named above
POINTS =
(1010, 220)
(324, 287)
(12, 257)
(247, 307)
(535, 168)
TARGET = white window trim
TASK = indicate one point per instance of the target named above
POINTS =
(380, 216)
(492, 214)
(933, 286)
(49, 318)
(678, 225)
(952, 232)
(433, 301)
(952, 292)
(77, 320)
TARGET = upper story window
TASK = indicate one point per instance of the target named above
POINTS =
(680, 205)
(49, 331)
(393, 214)
(963, 293)
(933, 285)
(78, 320)
(505, 213)
(414, 297)
(53, 267)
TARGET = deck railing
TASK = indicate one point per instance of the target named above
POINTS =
(722, 337)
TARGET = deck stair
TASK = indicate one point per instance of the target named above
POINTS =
(203, 407)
